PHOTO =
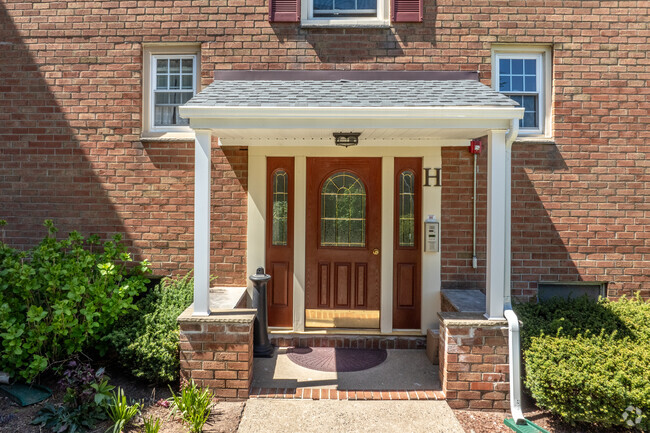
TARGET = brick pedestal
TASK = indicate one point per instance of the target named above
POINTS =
(217, 352)
(474, 361)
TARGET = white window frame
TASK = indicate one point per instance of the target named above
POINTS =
(152, 52)
(309, 20)
(152, 90)
(543, 56)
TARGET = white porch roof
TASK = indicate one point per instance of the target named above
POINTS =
(259, 109)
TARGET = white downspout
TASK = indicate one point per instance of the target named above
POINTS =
(511, 136)
(512, 133)
(514, 342)
(514, 347)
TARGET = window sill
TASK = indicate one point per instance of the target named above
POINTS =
(167, 136)
(372, 23)
(534, 139)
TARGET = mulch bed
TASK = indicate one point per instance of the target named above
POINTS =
(492, 422)
(225, 416)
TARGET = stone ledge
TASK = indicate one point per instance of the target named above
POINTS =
(240, 315)
(459, 319)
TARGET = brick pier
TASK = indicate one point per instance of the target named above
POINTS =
(217, 351)
(474, 361)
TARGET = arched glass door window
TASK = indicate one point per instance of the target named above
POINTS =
(280, 207)
(343, 211)
(407, 209)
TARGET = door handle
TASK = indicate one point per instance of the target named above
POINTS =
(375, 252)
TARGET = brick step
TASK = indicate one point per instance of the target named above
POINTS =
(349, 341)
(335, 394)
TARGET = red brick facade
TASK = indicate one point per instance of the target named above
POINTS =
(71, 107)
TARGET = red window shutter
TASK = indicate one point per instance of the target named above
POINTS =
(284, 11)
(407, 11)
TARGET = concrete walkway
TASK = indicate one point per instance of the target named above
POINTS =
(320, 416)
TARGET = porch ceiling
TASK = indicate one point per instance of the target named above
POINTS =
(403, 110)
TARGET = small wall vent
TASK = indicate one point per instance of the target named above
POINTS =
(565, 290)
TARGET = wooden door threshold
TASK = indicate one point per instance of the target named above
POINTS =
(330, 318)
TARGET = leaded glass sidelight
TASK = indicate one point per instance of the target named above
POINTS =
(343, 211)
(407, 209)
(280, 207)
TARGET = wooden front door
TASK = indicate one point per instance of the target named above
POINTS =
(343, 236)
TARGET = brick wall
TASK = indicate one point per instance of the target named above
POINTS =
(473, 362)
(70, 116)
(218, 354)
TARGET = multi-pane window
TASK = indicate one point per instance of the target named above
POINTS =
(343, 8)
(280, 207)
(406, 209)
(174, 83)
(520, 76)
(343, 211)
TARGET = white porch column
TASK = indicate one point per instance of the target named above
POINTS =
(498, 225)
(202, 187)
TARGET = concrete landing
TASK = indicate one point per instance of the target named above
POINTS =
(319, 416)
(402, 370)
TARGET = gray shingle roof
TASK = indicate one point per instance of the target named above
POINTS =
(349, 93)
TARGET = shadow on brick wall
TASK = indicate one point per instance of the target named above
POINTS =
(376, 46)
(44, 170)
(538, 250)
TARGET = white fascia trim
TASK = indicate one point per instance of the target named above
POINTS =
(469, 112)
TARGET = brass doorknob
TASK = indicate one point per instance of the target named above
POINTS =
(375, 252)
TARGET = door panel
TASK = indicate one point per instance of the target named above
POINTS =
(342, 286)
(407, 253)
(343, 230)
(279, 240)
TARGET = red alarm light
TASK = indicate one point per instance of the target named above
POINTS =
(475, 146)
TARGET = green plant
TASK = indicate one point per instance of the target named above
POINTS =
(60, 297)
(151, 425)
(119, 411)
(147, 340)
(87, 393)
(588, 361)
(194, 405)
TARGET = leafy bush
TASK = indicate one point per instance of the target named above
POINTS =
(147, 341)
(588, 361)
(87, 394)
(61, 296)
(194, 404)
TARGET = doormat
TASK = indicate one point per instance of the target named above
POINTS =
(340, 360)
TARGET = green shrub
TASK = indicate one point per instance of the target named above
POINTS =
(60, 297)
(588, 361)
(147, 340)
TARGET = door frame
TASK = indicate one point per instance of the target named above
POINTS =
(300, 149)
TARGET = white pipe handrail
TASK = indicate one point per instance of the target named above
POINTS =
(514, 346)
